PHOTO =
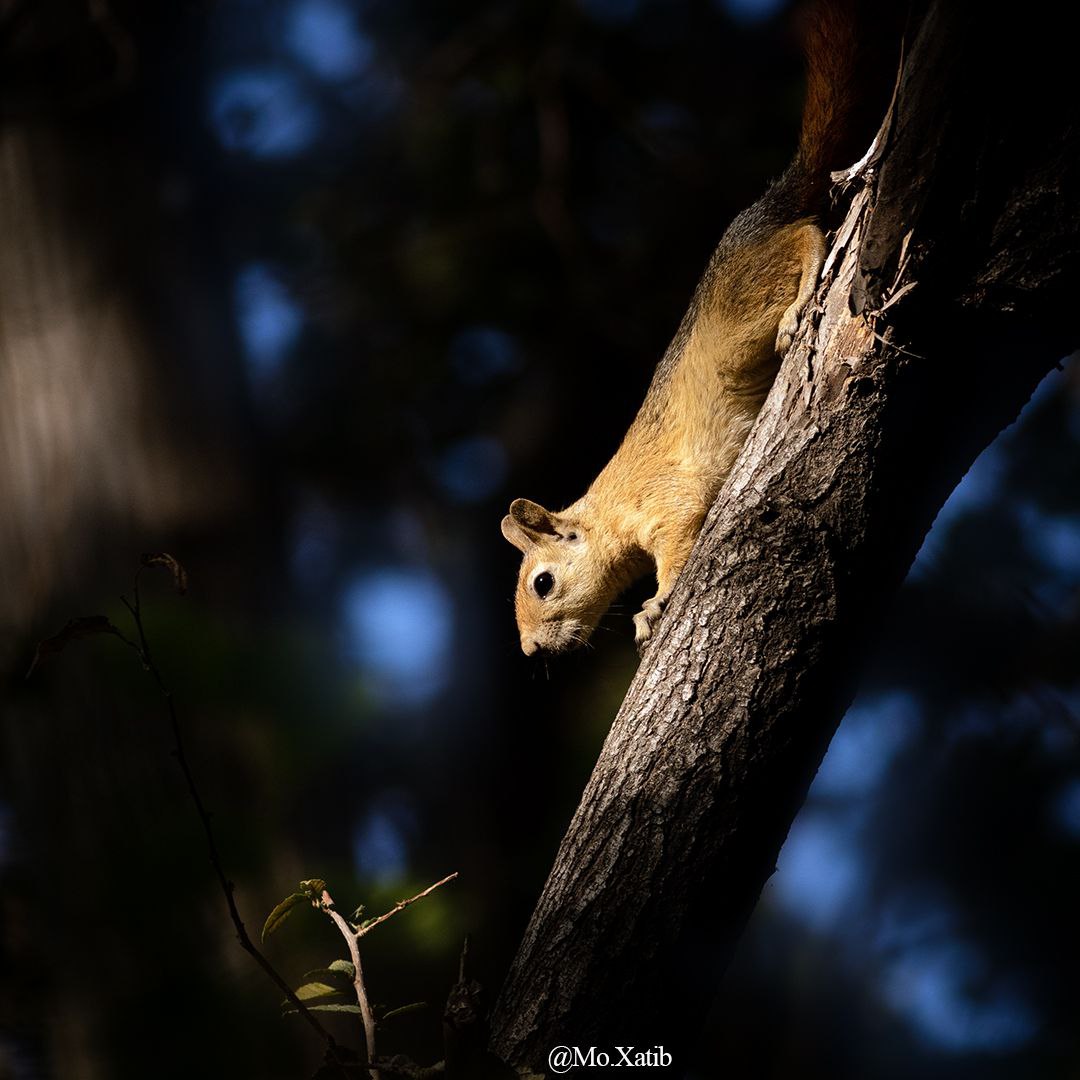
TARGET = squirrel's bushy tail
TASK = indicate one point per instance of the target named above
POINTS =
(852, 49)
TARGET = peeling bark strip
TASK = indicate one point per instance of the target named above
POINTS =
(948, 294)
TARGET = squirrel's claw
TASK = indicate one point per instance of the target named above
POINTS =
(645, 621)
(785, 333)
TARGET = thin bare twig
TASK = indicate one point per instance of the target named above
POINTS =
(352, 935)
(367, 927)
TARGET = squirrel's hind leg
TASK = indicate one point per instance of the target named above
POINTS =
(811, 241)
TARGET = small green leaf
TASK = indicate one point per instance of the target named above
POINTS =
(334, 1007)
(312, 991)
(416, 1006)
(358, 914)
(339, 974)
(282, 912)
(313, 888)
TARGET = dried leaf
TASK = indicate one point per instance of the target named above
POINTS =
(75, 629)
(170, 563)
(282, 912)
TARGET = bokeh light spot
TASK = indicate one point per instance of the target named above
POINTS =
(265, 112)
(871, 735)
(1054, 539)
(473, 469)
(751, 11)
(1066, 808)
(482, 353)
(398, 625)
(268, 318)
(325, 36)
(819, 871)
(951, 999)
(380, 840)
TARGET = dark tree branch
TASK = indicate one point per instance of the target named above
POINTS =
(946, 298)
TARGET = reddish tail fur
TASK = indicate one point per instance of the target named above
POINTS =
(851, 52)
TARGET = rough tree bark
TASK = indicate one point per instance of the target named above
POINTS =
(944, 301)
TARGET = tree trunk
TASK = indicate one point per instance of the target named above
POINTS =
(945, 299)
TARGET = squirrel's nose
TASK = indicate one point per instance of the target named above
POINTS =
(530, 646)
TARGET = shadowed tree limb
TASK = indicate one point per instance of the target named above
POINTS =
(947, 296)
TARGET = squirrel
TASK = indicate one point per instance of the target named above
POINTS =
(646, 508)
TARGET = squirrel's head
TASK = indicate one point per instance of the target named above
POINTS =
(561, 590)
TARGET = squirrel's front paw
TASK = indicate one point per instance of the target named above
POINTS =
(645, 621)
(785, 333)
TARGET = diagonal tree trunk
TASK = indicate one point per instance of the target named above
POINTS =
(945, 299)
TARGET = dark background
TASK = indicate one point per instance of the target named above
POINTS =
(304, 291)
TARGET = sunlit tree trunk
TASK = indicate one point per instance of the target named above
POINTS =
(948, 294)
(85, 435)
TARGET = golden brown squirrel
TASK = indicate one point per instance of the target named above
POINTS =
(645, 509)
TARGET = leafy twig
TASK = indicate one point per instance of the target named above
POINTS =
(352, 935)
(326, 904)
(99, 624)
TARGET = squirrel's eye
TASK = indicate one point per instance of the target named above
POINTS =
(543, 584)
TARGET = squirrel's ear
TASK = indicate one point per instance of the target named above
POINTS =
(516, 534)
(533, 518)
